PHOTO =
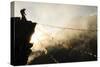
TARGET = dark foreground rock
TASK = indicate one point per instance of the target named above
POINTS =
(21, 32)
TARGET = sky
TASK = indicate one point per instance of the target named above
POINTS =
(53, 14)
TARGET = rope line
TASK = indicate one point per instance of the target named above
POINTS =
(67, 28)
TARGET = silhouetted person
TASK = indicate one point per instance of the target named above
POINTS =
(22, 11)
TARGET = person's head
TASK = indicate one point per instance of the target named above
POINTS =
(22, 11)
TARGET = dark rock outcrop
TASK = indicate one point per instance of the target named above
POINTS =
(21, 32)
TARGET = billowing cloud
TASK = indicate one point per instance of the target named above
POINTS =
(46, 38)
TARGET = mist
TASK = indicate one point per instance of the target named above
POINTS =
(46, 39)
